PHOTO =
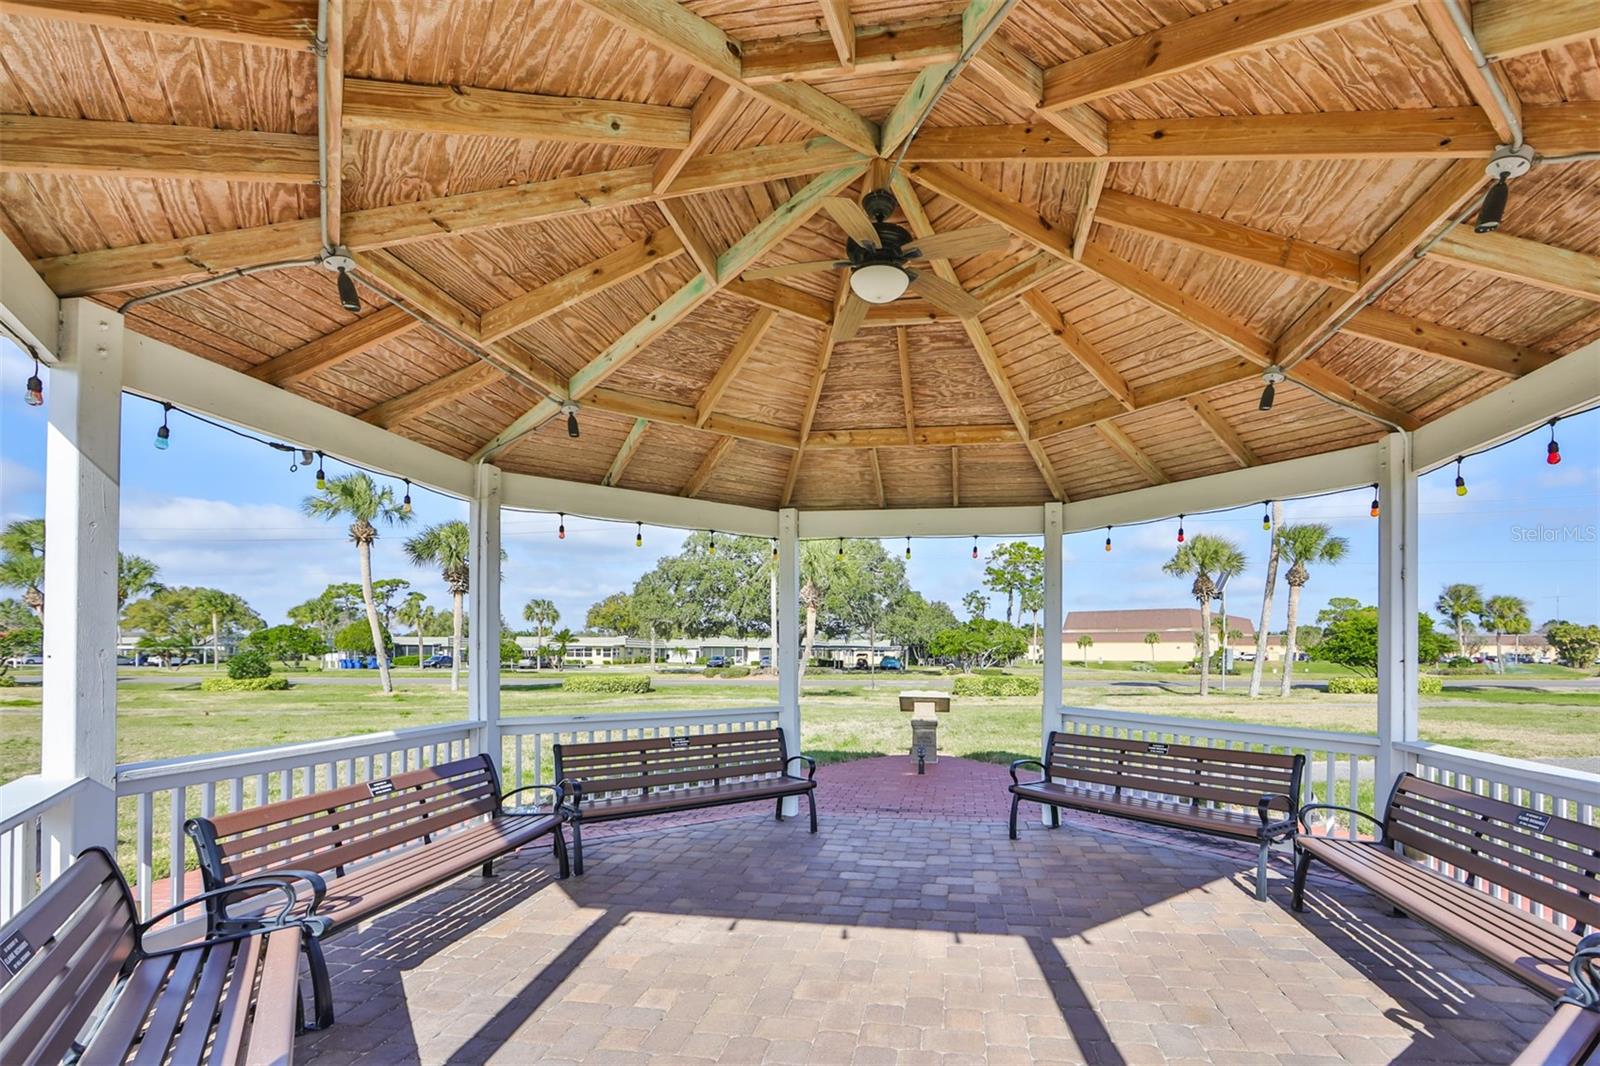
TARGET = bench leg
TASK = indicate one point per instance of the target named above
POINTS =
(1302, 865)
(577, 848)
(780, 810)
(1016, 799)
(321, 986)
(1055, 817)
(811, 798)
(1261, 870)
(1396, 912)
(488, 868)
(560, 846)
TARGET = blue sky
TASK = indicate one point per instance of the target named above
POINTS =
(219, 510)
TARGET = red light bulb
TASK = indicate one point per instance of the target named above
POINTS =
(1552, 453)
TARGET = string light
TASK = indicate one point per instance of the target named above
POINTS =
(1266, 516)
(1375, 508)
(712, 550)
(1180, 529)
(561, 530)
(638, 535)
(1552, 451)
(322, 477)
(35, 391)
(164, 434)
(405, 504)
(841, 548)
(1461, 482)
(1108, 538)
(974, 546)
(908, 548)
(774, 548)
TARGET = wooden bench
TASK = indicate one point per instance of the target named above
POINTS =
(1499, 848)
(78, 984)
(1249, 795)
(381, 842)
(1572, 1035)
(608, 780)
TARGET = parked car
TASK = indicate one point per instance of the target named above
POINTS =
(716, 662)
(190, 661)
(126, 660)
(527, 662)
(573, 664)
(889, 662)
(441, 661)
(766, 662)
(25, 660)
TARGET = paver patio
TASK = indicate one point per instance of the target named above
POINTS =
(895, 937)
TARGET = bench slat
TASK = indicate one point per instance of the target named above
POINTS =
(1222, 775)
(1583, 836)
(330, 857)
(1090, 742)
(1196, 768)
(127, 1015)
(1548, 858)
(233, 1017)
(164, 1019)
(272, 1019)
(1174, 786)
(202, 1007)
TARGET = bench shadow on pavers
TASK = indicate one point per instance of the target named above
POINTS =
(1227, 792)
(364, 849)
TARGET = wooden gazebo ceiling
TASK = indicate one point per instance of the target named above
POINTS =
(574, 188)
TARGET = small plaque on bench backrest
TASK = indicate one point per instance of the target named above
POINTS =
(1537, 821)
(381, 787)
(15, 953)
(679, 743)
(1156, 749)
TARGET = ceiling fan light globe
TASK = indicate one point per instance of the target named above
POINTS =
(879, 283)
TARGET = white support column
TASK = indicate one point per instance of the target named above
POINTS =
(1050, 637)
(786, 643)
(82, 477)
(483, 612)
(1397, 611)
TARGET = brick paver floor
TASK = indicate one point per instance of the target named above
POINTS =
(896, 937)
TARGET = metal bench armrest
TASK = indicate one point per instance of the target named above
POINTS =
(811, 765)
(1280, 828)
(572, 789)
(266, 883)
(1028, 762)
(1585, 971)
(555, 804)
(1301, 816)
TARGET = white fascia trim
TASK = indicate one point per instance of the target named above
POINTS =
(27, 305)
(531, 493)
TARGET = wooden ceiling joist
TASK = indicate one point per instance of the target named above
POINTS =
(715, 102)
(841, 29)
(34, 144)
(667, 412)
(1507, 28)
(877, 50)
(289, 24)
(955, 477)
(1017, 79)
(1487, 86)
(690, 236)
(877, 477)
(1088, 206)
(1556, 269)
(625, 453)
(902, 345)
(436, 393)
(1118, 439)
(1165, 391)
(1198, 41)
(1079, 347)
(1219, 428)
(969, 192)
(708, 466)
(331, 349)
(743, 348)
(462, 110)
(1458, 346)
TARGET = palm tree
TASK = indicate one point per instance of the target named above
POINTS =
(1501, 615)
(358, 497)
(562, 640)
(1260, 664)
(413, 611)
(446, 546)
(1085, 642)
(541, 613)
(1152, 638)
(136, 576)
(22, 562)
(1307, 542)
(1209, 559)
(222, 607)
(1456, 604)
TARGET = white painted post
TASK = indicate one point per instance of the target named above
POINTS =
(786, 641)
(1050, 638)
(82, 478)
(483, 612)
(1397, 612)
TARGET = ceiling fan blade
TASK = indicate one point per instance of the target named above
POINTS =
(941, 293)
(852, 219)
(788, 270)
(960, 243)
(849, 318)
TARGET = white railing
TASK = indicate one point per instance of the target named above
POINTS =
(35, 836)
(1571, 794)
(525, 743)
(1337, 764)
(161, 795)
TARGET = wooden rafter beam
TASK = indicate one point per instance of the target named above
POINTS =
(1166, 391)
(1482, 84)
(578, 284)
(841, 29)
(331, 120)
(1544, 265)
(1083, 222)
(1458, 346)
(436, 393)
(969, 192)
(708, 466)
(690, 236)
(1118, 439)
(877, 477)
(787, 299)
(1437, 133)
(34, 144)
(1198, 41)
(1008, 285)
(1012, 76)
(331, 349)
(979, 21)
(1078, 347)
(955, 477)
(714, 104)
(289, 24)
(699, 42)
(878, 50)
(1224, 433)
(743, 348)
(1507, 28)
(630, 445)
(1286, 255)
(462, 110)
(990, 358)
(894, 436)
(669, 412)
(903, 349)
(783, 221)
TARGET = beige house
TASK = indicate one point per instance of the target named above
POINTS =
(1119, 636)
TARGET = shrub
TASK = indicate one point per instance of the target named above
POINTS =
(244, 684)
(407, 660)
(1368, 686)
(629, 683)
(731, 671)
(989, 671)
(996, 685)
(249, 664)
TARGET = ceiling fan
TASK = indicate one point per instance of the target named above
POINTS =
(878, 253)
